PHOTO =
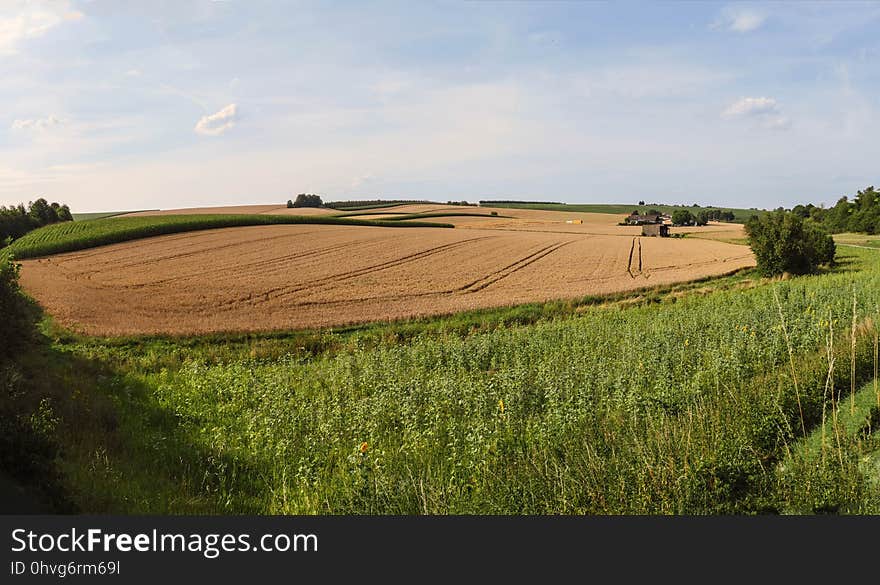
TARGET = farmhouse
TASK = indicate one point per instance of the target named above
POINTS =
(635, 218)
(655, 229)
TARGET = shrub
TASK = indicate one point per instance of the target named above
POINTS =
(785, 242)
(16, 322)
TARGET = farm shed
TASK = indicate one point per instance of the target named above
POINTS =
(635, 218)
(655, 229)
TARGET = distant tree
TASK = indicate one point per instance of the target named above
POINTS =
(702, 218)
(801, 210)
(289, 203)
(42, 213)
(64, 213)
(641, 202)
(308, 200)
(17, 221)
(785, 242)
(682, 217)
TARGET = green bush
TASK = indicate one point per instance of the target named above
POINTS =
(682, 217)
(785, 242)
(15, 315)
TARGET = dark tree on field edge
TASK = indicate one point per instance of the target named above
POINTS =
(682, 217)
(786, 242)
(307, 200)
(16, 221)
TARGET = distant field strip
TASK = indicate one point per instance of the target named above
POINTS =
(281, 277)
(73, 236)
(102, 214)
(741, 215)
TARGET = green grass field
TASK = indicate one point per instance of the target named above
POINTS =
(71, 236)
(693, 399)
(741, 215)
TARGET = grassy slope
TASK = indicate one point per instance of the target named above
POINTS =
(71, 236)
(672, 406)
(851, 239)
(839, 461)
(741, 214)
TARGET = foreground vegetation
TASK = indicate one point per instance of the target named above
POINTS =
(695, 400)
(73, 236)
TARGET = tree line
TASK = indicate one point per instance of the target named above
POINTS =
(685, 217)
(16, 220)
(859, 214)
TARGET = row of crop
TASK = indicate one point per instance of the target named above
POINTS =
(73, 236)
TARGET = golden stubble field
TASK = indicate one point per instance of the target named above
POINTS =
(303, 276)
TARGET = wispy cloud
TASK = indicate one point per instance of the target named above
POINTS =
(36, 123)
(218, 122)
(20, 21)
(764, 110)
(740, 19)
(752, 106)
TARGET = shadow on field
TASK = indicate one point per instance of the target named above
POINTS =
(79, 436)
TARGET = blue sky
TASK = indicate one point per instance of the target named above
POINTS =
(113, 105)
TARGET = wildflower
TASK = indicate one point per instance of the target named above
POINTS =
(501, 405)
(687, 342)
(364, 447)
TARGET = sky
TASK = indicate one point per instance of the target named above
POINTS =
(111, 105)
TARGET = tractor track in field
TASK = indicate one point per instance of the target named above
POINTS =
(510, 269)
(633, 250)
(283, 291)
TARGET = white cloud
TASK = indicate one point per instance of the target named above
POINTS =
(20, 21)
(751, 106)
(740, 19)
(218, 122)
(36, 123)
(133, 73)
(763, 109)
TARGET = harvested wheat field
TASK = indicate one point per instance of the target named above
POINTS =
(303, 276)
